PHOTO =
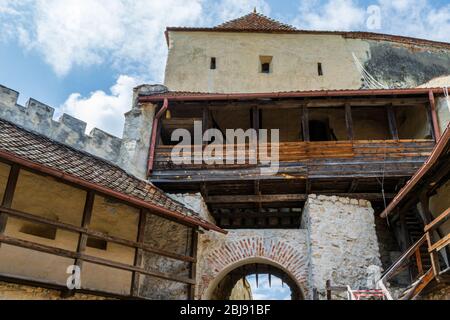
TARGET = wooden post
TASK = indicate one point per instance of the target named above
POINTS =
(349, 122)
(434, 118)
(8, 196)
(329, 297)
(434, 258)
(419, 262)
(138, 253)
(305, 123)
(83, 238)
(392, 122)
(193, 272)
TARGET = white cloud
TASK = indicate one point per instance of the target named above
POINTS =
(416, 18)
(232, 9)
(330, 15)
(103, 110)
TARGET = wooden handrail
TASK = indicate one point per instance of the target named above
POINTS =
(438, 221)
(409, 253)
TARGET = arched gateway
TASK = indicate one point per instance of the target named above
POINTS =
(242, 256)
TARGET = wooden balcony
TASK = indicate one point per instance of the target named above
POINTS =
(304, 160)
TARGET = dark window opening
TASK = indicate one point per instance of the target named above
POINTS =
(213, 64)
(97, 244)
(266, 62)
(319, 69)
(39, 230)
(265, 67)
(319, 131)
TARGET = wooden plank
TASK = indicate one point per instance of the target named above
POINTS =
(438, 221)
(305, 123)
(288, 197)
(392, 122)
(349, 121)
(419, 262)
(9, 195)
(440, 244)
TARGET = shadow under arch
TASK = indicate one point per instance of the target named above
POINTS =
(297, 290)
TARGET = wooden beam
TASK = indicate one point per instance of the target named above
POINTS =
(193, 271)
(288, 197)
(434, 117)
(9, 195)
(305, 123)
(95, 234)
(95, 260)
(139, 253)
(349, 121)
(87, 217)
(392, 122)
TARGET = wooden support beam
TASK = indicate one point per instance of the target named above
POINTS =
(139, 253)
(87, 217)
(193, 271)
(392, 122)
(349, 122)
(9, 195)
(434, 117)
(305, 123)
(288, 197)
(419, 262)
(95, 234)
(91, 259)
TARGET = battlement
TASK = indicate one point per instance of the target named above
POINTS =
(38, 117)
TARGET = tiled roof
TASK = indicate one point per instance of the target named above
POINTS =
(194, 96)
(254, 21)
(47, 153)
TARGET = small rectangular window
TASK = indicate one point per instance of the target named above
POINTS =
(39, 230)
(265, 68)
(213, 63)
(319, 69)
(97, 244)
(266, 63)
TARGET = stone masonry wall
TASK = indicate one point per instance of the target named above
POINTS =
(342, 242)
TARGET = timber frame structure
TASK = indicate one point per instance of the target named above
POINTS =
(64, 166)
(239, 197)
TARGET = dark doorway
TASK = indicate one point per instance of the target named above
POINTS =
(319, 131)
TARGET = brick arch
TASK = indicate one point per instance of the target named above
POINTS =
(233, 254)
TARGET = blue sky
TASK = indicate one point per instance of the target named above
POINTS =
(84, 56)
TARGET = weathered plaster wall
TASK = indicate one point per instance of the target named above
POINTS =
(294, 65)
(9, 291)
(443, 111)
(342, 241)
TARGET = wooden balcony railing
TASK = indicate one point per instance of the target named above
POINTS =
(402, 157)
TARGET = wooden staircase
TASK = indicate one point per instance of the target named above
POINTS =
(424, 255)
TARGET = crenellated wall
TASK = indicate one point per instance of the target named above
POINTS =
(130, 152)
